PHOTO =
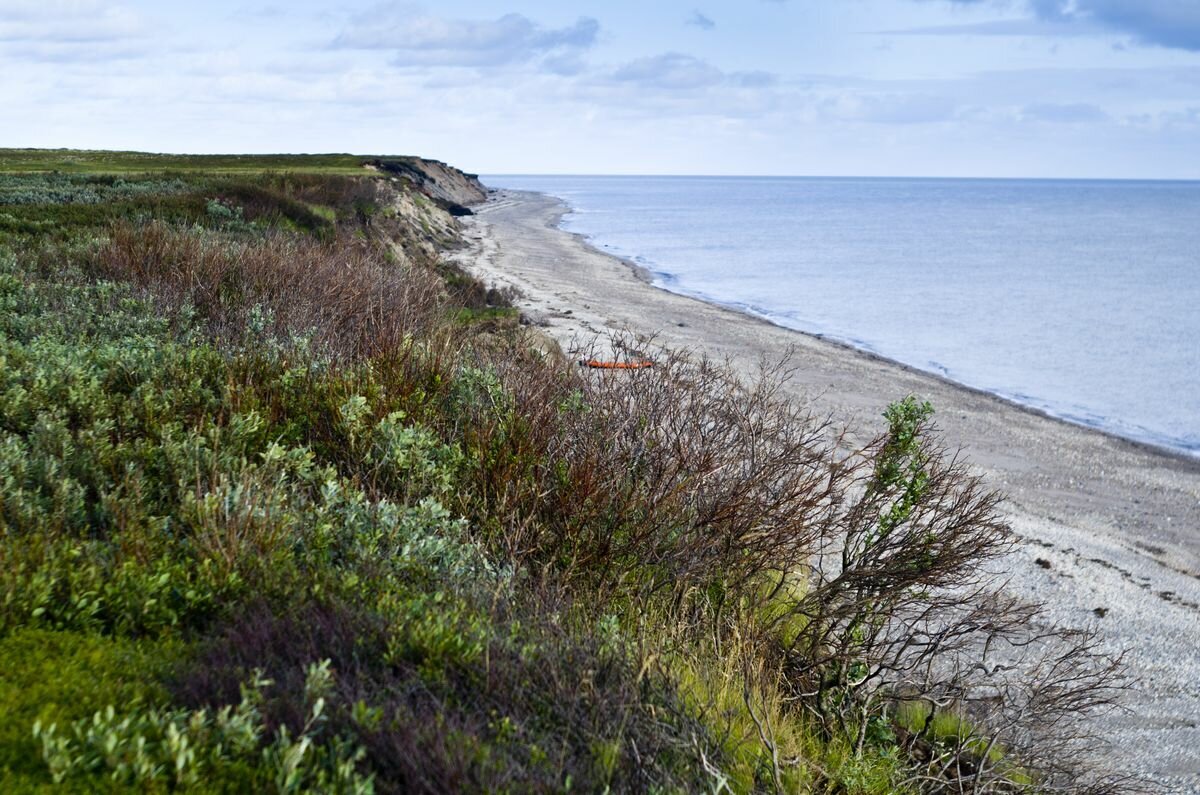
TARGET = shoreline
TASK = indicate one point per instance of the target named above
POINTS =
(653, 279)
(1109, 527)
(1141, 445)
(649, 277)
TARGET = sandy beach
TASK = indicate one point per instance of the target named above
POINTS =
(1110, 528)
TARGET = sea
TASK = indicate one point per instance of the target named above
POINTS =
(1080, 298)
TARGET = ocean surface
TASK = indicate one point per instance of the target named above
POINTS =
(1079, 298)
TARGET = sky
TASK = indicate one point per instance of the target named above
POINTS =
(957, 88)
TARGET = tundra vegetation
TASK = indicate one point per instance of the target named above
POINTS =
(288, 503)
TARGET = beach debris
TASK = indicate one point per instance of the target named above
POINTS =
(602, 364)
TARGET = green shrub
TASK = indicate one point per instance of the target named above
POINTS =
(228, 749)
(61, 677)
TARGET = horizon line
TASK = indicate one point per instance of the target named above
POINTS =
(482, 174)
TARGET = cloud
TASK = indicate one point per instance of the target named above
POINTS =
(670, 70)
(1166, 23)
(756, 79)
(1072, 113)
(1001, 27)
(565, 65)
(418, 38)
(1169, 23)
(675, 71)
(66, 31)
(1188, 118)
(68, 23)
(700, 21)
(74, 52)
(890, 108)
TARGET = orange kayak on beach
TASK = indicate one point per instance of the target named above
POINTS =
(599, 364)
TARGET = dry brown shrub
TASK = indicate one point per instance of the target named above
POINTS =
(868, 574)
(345, 296)
(664, 480)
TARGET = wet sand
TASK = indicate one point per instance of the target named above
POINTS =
(1108, 526)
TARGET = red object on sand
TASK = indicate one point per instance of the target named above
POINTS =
(599, 364)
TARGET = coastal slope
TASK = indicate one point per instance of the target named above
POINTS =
(1110, 528)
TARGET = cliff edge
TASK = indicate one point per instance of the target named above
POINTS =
(450, 188)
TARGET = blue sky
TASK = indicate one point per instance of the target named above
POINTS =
(1041, 88)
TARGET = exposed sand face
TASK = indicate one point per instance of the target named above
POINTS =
(1118, 523)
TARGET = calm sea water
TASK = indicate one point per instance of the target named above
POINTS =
(1081, 298)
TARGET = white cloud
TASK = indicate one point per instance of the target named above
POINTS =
(69, 22)
(420, 39)
(1167, 23)
(670, 70)
(1064, 113)
(675, 71)
(889, 107)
